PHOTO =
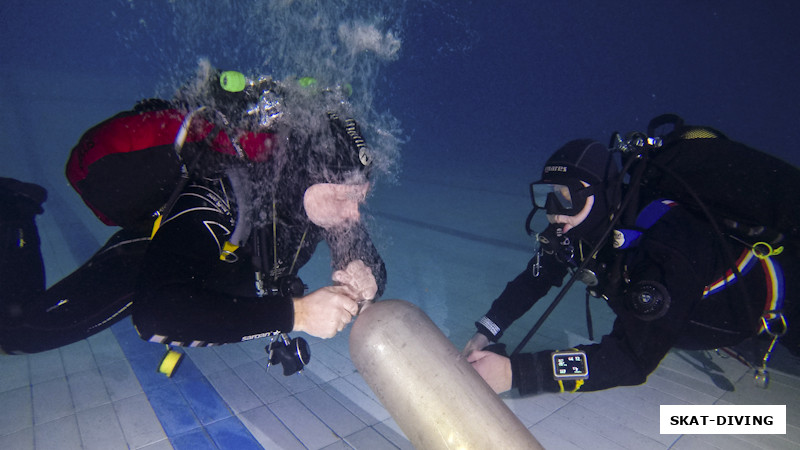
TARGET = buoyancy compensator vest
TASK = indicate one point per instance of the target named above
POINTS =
(749, 193)
(127, 167)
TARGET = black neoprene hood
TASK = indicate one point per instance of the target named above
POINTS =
(582, 159)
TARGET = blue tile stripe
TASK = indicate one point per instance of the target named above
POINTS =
(190, 410)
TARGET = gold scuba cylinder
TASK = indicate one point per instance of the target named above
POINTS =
(431, 391)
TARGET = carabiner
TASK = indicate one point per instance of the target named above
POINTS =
(768, 322)
(763, 250)
(537, 263)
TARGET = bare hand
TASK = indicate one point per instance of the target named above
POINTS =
(359, 280)
(324, 312)
(493, 368)
(478, 342)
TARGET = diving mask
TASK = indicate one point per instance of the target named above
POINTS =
(560, 198)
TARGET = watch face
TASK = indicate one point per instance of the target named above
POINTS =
(570, 365)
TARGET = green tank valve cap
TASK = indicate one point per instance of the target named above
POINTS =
(232, 81)
(307, 82)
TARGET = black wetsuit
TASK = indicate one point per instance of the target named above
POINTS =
(188, 295)
(89, 300)
(680, 252)
(176, 286)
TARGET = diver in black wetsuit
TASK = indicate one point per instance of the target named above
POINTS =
(665, 283)
(190, 295)
(35, 319)
(222, 265)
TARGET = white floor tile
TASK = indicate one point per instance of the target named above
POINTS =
(368, 438)
(105, 348)
(14, 372)
(19, 440)
(261, 383)
(358, 403)
(77, 357)
(46, 366)
(59, 433)
(206, 359)
(308, 428)
(88, 389)
(232, 355)
(51, 400)
(138, 421)
(237, 394)
(18, 409)
(100, 428)
(120, 380)
(331, 412)
(268, 430)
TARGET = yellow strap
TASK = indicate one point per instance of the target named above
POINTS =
(578, 385)
(699, 133)
(156, 226)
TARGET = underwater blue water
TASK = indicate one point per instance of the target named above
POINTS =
(491, 83)
(479, 94)
(476, 78)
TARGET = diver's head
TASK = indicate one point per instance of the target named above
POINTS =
(345, 158)
(330, 205)
(575, 188)
(335, 171)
